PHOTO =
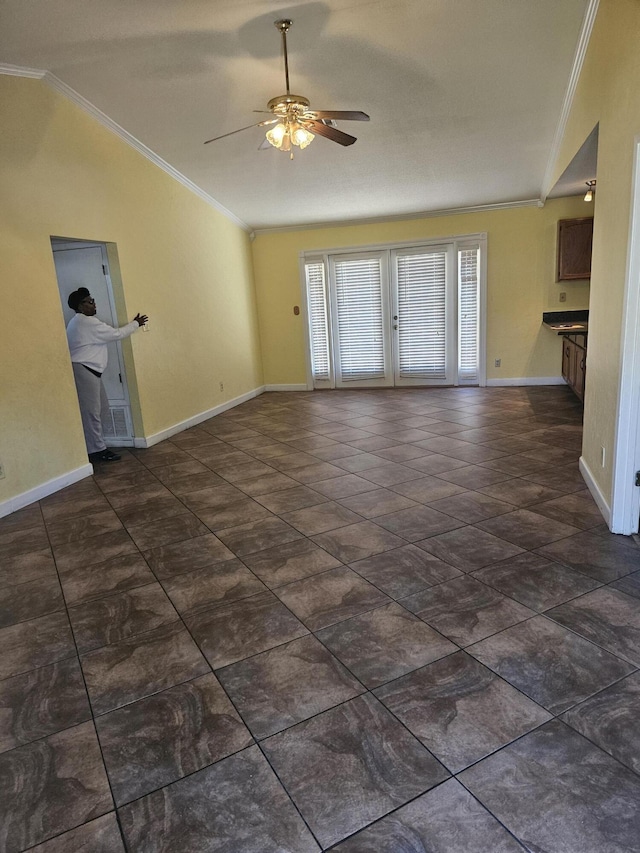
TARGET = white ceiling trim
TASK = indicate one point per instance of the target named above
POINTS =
(17, 71)
(55, 83)
(426, 214)
(578, 61)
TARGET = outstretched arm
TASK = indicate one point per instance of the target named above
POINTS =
(103, 333)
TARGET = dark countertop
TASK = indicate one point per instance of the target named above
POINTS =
(567, 322)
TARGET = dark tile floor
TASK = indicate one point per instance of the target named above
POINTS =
(382, 621)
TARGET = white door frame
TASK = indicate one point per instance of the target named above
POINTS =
(625, 495)
(459, 240)
(121, 403)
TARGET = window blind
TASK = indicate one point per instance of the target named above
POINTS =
(318, 330)
(468, 319)
(360, 318)
(422, 345)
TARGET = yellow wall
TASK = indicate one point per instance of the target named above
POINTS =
(520, 284)
(182, 262)
(608, 93)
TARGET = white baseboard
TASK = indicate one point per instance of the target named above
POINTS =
(51, 486)
(596, 494)
(286, 388)
(157, 437)
(44, 490)
(528, 380)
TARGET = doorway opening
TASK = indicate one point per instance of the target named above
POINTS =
(81, 263)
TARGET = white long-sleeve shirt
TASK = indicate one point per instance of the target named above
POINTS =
(88, 338)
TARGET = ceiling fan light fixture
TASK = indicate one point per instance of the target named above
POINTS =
(288, 133)
(588, 196)
(301, 136)
(295, 123)
(277, 135)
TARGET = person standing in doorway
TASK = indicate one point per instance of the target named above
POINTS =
(88, 338)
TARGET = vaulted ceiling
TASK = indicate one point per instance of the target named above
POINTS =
(465, 96)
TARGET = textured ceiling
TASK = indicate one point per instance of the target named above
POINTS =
(464, 95)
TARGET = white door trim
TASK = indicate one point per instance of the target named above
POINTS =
(625, 495)
(458, 241)
(119, 400)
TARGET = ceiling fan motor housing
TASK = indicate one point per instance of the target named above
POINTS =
(292, 105)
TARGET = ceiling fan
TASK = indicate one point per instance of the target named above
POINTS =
(296, 124)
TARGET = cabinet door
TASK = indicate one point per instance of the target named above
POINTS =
(566, 359)
(574, 248)
(574, 365)
(580, 370)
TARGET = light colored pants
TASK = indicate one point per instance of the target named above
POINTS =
(94, 406)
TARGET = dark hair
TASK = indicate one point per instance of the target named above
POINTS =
(76, 298)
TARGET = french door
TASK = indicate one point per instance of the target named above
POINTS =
(396, 316)
(359, 293)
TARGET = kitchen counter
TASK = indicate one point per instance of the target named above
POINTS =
(567, 322)
(573, 326)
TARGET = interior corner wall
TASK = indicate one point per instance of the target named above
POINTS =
(182, 262)
(521, 284)
(608, 94)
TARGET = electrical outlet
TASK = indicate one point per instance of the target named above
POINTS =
(2, 473)
(497, 362)
(562, 297)
(222, 386)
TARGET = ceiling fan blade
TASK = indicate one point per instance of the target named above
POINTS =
(340, 115)
(240, 129)
(329, 132)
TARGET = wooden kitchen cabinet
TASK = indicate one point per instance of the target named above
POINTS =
(574, 248)
(574, 362)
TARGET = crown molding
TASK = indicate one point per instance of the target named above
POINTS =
(420, 214)
(19, 71)
(57, 85)
(576, 70)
